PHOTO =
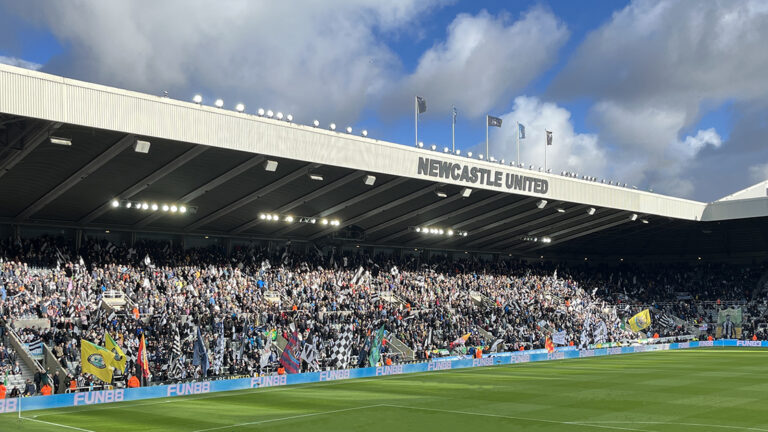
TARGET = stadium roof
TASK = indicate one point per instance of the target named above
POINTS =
(221, 165)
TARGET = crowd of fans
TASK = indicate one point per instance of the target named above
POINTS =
(245, 301)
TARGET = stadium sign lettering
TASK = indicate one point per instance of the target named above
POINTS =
(90, 398)
(520, 358)
(189, 388)
(748, 343)
(334, 375)
(389, 370)
(706, 343)
(484, 176)
(557, 355)
(487, 361)
(438, 365)
(269, 381)
(8, 405)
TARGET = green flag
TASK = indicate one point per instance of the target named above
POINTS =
(374, 355)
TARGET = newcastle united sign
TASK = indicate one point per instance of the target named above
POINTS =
(481, 176)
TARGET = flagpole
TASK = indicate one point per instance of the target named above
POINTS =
(416, 120)
(518, 143)
(453, 131)
(545, 151)
(486, 138)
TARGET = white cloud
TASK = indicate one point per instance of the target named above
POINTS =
(652, 69)
(484, 60)
(758, 172)
(306, 57)
(14, 61)
(570, 151)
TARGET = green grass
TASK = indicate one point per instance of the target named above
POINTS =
(688, 390)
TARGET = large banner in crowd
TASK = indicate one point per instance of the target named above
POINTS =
(196, 388)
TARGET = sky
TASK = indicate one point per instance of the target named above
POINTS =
(666, 95)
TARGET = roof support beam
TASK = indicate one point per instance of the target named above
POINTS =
(352, 201)
(515, 229)
(546, 229)
(147, 181)
(32, 139)
(446, 216)
(410, 214)
(89, 168)
(303, 199)
(610, 221)
(208, 186)
(251, 197)
(492, 213)
(377, 210)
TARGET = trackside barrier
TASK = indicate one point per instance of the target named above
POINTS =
(181, 389)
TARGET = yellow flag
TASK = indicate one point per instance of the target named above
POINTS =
(640, 321)
(118, 358)
(95, 360)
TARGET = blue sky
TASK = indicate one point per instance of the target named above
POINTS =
(668, 95)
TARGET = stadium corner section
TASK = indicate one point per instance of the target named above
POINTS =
(13, 405)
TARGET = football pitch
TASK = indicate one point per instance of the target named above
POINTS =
(684, 390)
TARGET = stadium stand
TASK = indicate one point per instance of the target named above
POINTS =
(244, 301)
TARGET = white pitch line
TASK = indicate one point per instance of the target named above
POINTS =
(57, 424)
(287, 418)
(514, 418)
(682, 424)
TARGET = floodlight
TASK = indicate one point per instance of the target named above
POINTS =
(324, 221)
(316, 123)
(128, 204)
(219, 103)
(174, 209)
(633, 217)
(144, 206)
(115, 203)
(61, 141)
(289, 219)
(316, 177)
(480, 156)
(270, 113)
(434, 147)
(182, 209)
(364, 133)
(466, 192)
(446, 150)
(197, 99)
(645, 221)
(141, 146)
(541, 204)
(349, 129)
(165, 207)
(369, 180)
(271, 165)
(469, 154)
(421, 144)
(289, 117)
(441, 193)
(239, 107)
(418, 229)
(458, 152)
(560, 210)
(154, 207)
(260, 112)
(279, 115)
(450, 232)
(332, 126)
(591, 211)
(262, 216)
